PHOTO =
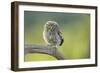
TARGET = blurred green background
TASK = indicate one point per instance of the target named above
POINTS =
(75, 28)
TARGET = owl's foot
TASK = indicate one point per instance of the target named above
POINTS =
(51, 46)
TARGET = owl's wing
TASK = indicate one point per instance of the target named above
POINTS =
(60, 36)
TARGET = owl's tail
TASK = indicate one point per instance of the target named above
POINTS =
(62, 40)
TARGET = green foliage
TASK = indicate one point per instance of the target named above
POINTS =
(39, 57)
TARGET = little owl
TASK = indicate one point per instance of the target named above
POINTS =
(52, 34)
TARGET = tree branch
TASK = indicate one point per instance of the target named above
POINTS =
(53, 51)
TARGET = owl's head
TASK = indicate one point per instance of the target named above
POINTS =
(50, 24)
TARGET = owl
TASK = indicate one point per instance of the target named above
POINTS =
(52, 34)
